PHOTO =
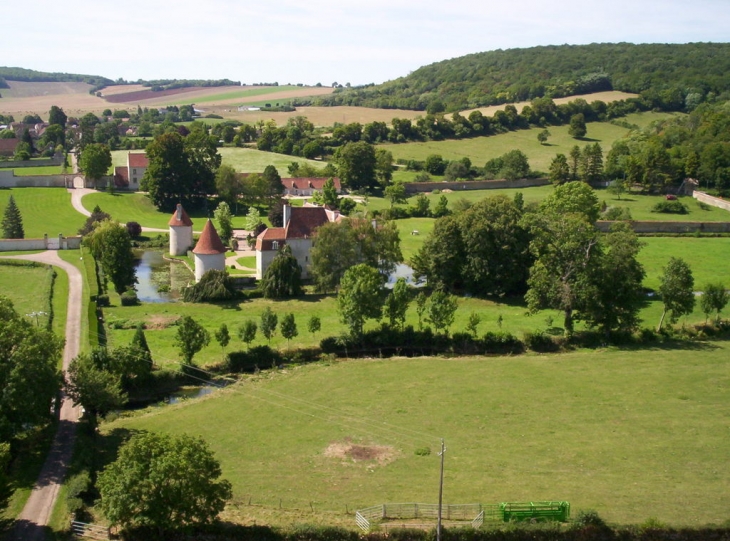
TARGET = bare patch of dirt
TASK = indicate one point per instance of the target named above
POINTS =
(158, 322)
(357, 452)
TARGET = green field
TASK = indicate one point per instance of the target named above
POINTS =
(482, 149)
(631, 434)
(234, 94)
(44, 210)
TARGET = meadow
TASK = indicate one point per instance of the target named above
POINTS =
(44, 210)
(482, 149)
(632, 434)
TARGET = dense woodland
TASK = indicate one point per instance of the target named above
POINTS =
(676, 74)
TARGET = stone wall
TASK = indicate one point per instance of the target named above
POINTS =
(46, 243)
(672, 227)
(710, 200)
(8, 179)
(416, 187)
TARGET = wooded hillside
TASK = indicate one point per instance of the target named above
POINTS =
(675, 72)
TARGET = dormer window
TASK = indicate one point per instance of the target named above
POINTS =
(275, 245)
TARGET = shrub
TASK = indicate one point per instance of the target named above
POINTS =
(502, 342)
(256, 358)
(540, 342)
(671, 207)
(617, 213)
(102, 300)
(134, 229)
(215, 285)
(129, 298)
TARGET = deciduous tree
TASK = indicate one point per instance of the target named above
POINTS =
(247, 332)
(577, 127)
(99, 391)
(441, 310)
(356, 164)
(96, 159)
(714, 299)
(559, 170)
(676, 290)
(224, 218)
(314, 325)
(269, 321)
(111, 246)
(191, 337)
(164, 482)
(360, 297)
(396, 303)
(288, 328)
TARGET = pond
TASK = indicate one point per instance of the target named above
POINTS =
(158, 279)
(403, 271)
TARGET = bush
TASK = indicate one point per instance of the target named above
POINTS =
(134, 229)
(540, 342)
(256, 358)
(671, 207)
(102, 300)
(502, 342)
(215, 285)
(617, 213)
(129, 298)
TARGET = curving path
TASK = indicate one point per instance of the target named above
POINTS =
(32, 523)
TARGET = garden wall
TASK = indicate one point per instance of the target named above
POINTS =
(672, 227)
(53, 243)
(9, 180)
(710, 200)
(416, 187)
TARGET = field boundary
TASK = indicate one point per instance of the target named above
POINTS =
(669, 227)
(418, 187)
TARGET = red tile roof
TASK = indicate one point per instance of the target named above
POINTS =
(7, 146)
(267, 236)
(180, 218)
(304, 220)
(209, 242)
(138, 159)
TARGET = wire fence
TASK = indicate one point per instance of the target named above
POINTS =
(470, 514)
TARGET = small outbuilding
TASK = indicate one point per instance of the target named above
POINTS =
(181, 232)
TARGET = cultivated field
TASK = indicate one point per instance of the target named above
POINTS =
(26, 98)
(632, 434)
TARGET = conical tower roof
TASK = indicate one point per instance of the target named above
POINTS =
(180, 218)
(209, 242)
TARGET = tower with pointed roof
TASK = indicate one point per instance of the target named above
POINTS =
(209, 252)
(181, 232)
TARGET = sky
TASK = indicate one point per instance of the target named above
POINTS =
(323, 41)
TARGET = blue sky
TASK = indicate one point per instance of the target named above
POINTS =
(310, 41)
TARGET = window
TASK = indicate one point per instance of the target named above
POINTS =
(275, 245)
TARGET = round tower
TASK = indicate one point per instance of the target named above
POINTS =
(181, 232)
(209, 252)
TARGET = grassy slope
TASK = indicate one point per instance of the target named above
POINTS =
(25, 286)
(482, 149)
(630, 435)
(44, 210)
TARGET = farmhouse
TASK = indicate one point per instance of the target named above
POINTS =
(307, 186)
(131, 174)
(300, 224)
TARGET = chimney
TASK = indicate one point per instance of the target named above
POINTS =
(287, 214)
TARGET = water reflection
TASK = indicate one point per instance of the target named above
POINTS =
(159, 280)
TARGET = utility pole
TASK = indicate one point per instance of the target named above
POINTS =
(441, 490)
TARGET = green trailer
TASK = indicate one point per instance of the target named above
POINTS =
(535, 511)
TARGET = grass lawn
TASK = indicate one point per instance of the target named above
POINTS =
(42, 170)
(248, 160)
(137, 207)
(27, 287)
(632, 434)
(44, 210)
(481, 149)
(247, 261)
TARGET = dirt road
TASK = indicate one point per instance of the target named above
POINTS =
(32, 523)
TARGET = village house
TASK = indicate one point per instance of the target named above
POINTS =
(307, 186)
(300, 224)
(131, 174)
(7, 147)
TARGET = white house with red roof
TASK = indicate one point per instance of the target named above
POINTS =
(300, 225)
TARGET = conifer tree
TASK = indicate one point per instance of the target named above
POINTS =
(12, 221)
